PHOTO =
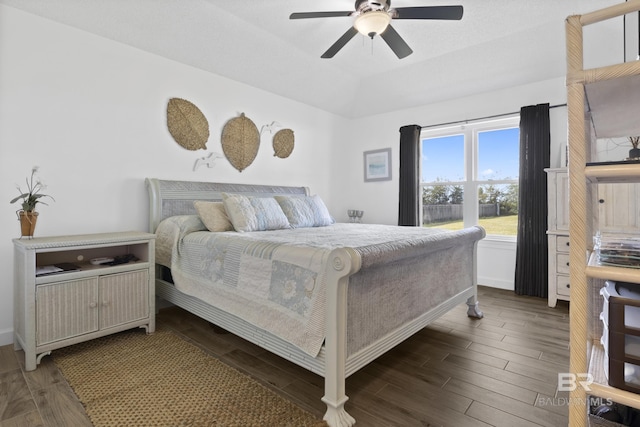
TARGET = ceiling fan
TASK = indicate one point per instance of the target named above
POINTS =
(374, 17)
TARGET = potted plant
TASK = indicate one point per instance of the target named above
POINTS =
(30, 198)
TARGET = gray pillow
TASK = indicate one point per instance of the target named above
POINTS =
(305, 211)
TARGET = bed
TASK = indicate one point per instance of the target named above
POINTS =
(329, 297)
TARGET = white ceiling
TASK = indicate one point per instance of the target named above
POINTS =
(497, 44)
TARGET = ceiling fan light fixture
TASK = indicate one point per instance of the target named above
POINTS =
(372, 23)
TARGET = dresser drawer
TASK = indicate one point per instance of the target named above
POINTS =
(562, 263)
(562, 285)
(562, 244)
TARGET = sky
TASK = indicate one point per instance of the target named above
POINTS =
(498, 157)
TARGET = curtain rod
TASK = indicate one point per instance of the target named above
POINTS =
(495, 116)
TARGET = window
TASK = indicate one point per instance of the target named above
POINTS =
(469, 176)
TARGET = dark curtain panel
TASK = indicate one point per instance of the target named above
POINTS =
(531, 276)
(409, 166)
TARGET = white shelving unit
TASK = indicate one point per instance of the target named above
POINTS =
(64, 308)
(602, 103)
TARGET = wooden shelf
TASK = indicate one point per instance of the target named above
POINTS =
(88, 270)
(606, 272)
(600, 386)
(613, 173)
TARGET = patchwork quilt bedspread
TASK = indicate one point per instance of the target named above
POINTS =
(275, 279)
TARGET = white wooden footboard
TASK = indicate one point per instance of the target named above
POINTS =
(343, 263)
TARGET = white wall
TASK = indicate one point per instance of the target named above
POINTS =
(92, 114)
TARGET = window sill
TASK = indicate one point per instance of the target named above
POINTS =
(500, 238)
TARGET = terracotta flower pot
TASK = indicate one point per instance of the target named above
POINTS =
(27, 223)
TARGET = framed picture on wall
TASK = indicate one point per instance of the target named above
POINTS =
(377, 165)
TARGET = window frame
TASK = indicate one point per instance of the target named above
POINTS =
(471, 182)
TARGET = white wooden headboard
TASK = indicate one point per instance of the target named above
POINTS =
(168, 198)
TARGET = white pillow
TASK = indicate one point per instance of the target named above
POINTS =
(213, 215)
(305, 211)
(248, 213)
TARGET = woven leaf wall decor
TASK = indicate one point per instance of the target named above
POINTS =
(240, 141)
(283, 142)
(186, 123)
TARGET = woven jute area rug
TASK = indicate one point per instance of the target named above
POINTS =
(134, 379)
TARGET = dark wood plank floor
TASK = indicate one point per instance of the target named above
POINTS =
(497, 371)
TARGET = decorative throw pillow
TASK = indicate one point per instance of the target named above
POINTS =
(213, 215)
(305, 211)
(248, 213)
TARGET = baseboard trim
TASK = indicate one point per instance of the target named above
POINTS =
(6, 337)
(492, 282)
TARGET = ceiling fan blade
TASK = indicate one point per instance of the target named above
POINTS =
(306, 15)
(396, 43)
(428, 12)
(351, 32)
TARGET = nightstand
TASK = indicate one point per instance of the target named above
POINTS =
(80, 301)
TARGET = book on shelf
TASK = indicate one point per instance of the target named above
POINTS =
(43, 270)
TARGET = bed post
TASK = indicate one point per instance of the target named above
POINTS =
(155, 205)
(472, 302)
(341, 264)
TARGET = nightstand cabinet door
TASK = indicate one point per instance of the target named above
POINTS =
(124, 298)
(66, 309)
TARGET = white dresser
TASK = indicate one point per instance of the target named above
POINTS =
(558, 234)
